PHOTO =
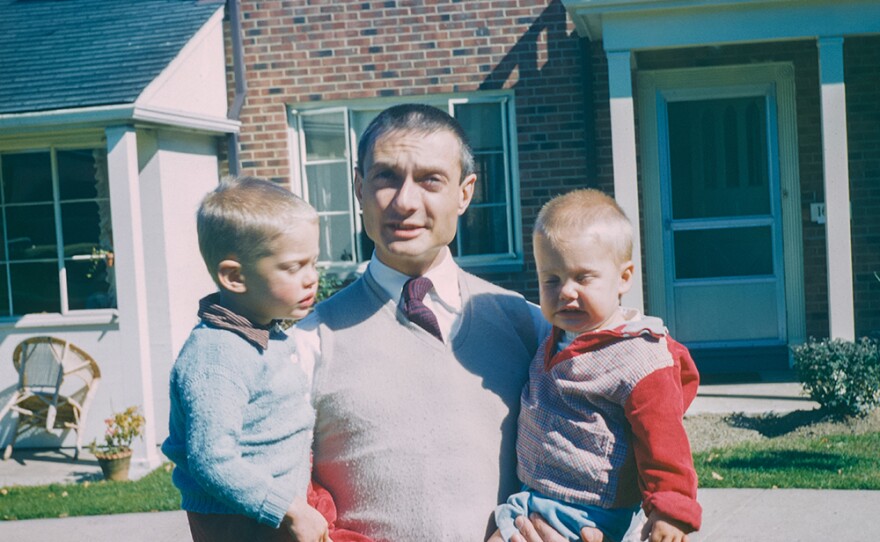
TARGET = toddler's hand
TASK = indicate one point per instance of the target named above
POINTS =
(660, 528)
(305, 523)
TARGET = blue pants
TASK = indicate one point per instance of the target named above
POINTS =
(567, 519)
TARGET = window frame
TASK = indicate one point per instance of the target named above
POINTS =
(511, 261)
(65, 316)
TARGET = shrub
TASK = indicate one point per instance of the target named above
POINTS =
(842, 376)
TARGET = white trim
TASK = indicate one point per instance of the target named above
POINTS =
(97, 317)
(623, 150)
(131, 280)
(644, 24)
(727, 81)
(841, 315)
(17, 123)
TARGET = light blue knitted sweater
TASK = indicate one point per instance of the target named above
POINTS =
(240, 425)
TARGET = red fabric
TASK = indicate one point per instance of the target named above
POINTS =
(321, 500)
(655, 407)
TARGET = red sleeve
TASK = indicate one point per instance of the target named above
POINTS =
(667, 478)
(689, 377)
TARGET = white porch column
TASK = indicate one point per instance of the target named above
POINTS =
(623, 147)
(131, 285)
(837, 204)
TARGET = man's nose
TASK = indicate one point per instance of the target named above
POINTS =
(407, 195)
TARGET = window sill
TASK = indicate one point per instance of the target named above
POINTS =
(79, 318)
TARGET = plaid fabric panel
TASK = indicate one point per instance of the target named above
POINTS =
(572, 440)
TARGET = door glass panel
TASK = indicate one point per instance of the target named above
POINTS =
(718, 158)
(732, 252)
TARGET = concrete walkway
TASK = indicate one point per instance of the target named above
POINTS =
(729, 515)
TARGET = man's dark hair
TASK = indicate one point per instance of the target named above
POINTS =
(419, 118)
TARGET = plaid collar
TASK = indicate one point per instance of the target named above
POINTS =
(216, 315)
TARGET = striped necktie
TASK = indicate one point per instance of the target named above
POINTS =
(414, 291)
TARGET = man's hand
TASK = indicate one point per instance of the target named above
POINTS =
(305, 523)
(663, 529)
(538, 530)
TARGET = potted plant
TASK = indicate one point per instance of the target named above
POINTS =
(114, 455)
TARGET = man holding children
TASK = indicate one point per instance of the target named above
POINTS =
(417, 370)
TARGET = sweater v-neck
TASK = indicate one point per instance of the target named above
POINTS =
(394, 310)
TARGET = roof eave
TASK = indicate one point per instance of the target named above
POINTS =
(113, 115)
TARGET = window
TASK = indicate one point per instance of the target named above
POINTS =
(56, 254)
(326, 151)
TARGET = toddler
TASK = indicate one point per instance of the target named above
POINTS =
(600, 427)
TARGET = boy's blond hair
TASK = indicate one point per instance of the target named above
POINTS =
(571, 214)
(240, 218)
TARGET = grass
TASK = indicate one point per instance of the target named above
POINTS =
(153, 492)
(826, 462)
(818, 462)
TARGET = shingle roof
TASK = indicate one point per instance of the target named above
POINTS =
(58, 54)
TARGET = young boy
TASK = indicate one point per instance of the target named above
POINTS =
(241, 421)
(600, 426)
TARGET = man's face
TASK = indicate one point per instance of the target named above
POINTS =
(412, 194)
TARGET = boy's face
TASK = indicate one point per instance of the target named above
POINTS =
(580, 282)
(284, 283)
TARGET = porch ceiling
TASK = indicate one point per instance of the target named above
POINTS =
(651, 24)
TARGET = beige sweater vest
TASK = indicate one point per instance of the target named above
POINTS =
(415, 439)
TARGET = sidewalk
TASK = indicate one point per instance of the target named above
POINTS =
(729, 515)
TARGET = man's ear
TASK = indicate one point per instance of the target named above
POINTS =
(358, 185)
(231, 276)
(466, 192)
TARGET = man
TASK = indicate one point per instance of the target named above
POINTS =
(417, 399)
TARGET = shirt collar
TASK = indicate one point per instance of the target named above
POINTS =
(444, 276)
(213, 313)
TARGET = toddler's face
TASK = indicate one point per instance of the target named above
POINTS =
(580, 282)
(284, 284)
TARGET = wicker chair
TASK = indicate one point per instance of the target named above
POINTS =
(56, 384)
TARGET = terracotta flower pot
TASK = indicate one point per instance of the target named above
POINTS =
(115, 466)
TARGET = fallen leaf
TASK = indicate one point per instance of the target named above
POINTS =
(717, 476)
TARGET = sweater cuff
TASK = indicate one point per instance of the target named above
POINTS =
(677, 507)
(275, 506)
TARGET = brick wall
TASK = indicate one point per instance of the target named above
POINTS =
(348, 50)
(861, 73)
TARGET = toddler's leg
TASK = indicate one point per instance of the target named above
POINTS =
(505, 514)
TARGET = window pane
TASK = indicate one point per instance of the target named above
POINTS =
(4, 292)
(336, 239)
(35, 288)
(490, 178)
(325, 136)
(329, 187)
(90, 285)
(483, 230)
(718, 158)
(31, 231)
(27, 177)
(79, 227)
(76, 174)
(732, 252)
(482, 124)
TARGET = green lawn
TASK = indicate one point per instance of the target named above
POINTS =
(830, 462)
(153, 492)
